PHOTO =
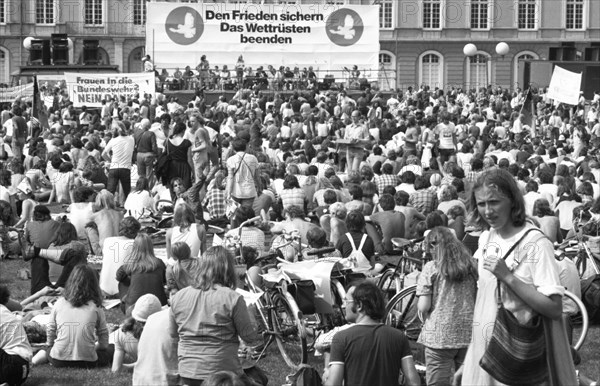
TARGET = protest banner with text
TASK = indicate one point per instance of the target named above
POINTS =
(325, 37)
(90, 89)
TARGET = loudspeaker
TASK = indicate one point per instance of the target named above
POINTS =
(59, 40)
(60, 55)
(60, 49)
(90, 52)
(39, 54)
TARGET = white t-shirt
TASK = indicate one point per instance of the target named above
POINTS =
(114, 252)
(122, 151)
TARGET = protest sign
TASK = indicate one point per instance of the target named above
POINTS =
(565, 86)
(9, 94)
(90, 89)
(324, 36)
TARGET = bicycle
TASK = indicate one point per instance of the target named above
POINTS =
(280, 315)
(391, 280)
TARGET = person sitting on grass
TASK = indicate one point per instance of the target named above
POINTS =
(8, 245)
(76, 320)
(357, 240)
(81, 210)
(157, 352)
(63, 184)
(337, 222)
(65, 250)
(116, 250)
(105, 221)
(141, 274)
(390, 222)
(39, 233)
(15, 350)
(180, 275)
(317, 239)
(127, 337)
(25, 195)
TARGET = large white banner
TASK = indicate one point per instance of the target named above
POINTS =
(9, 94)
(90, 89)
(326, 37)
(564, 86)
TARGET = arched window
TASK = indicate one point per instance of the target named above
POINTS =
(135, 59)
(478, 70)
(387, 71)
(4, 66)
(517, 75)
(431, 69)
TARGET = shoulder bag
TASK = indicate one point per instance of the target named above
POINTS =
(162, 163)
(516, 353)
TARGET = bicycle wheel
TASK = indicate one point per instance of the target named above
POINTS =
(338, 293)
(584, 319)
(401, 312)
(390, 283)
(290, 333)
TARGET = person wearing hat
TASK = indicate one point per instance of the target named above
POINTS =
(156, 351)
(126, 338)
(25, 195)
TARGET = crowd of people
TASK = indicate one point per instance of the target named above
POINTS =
(241, 76)
(480, 174)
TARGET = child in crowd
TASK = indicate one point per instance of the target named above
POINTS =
(181, 274)
(446, 288)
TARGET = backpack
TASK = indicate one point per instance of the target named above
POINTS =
(305, 376)
(590, 295)
(357, 257)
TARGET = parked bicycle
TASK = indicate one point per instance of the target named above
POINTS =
(392, 279)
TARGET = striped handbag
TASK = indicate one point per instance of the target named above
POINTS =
(516, 353)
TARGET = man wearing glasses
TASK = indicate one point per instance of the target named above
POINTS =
(386, 348)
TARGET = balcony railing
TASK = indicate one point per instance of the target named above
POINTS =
(112, 29)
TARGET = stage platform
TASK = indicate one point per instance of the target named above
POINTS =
(185, 96)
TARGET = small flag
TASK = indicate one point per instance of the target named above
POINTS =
(39, 110)
(527, 109)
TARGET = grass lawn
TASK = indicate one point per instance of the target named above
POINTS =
(272, 364)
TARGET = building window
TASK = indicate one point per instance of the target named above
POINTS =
(574, 14)
(478, 71)
(385, 59)
(4, 72)
(386, 14)
(432, 14)
(2, 12)
(479, 14)
(93, 12)
(527, 14)
(431, 70)
(139, 12)
(44, 12)
(387, 71)
(518, 76)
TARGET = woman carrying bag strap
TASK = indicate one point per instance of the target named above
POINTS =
(527, 275)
